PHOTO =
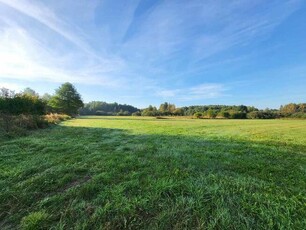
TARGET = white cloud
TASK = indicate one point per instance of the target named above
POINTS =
(206, 91)
(240, 27)
(12, 86)
(45, 16)
(22, 58)
(167, 93)
(28, 58)
(131, 51)
(202, 91)
(201, 29)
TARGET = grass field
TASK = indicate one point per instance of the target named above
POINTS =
(147, 173)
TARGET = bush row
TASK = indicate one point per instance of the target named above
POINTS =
(19, 125)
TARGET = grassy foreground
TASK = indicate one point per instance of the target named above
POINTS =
(147, 173)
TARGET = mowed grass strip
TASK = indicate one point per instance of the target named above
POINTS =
(147, 173)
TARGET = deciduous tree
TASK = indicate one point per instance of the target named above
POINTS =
(66, 100)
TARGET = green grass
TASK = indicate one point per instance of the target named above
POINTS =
(147, 173)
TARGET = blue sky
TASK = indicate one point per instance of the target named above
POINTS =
(145, 52)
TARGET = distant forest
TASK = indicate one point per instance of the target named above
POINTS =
(200, 111)
(66, 100)
(107, 109)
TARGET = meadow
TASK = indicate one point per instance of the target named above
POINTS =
(147, 173)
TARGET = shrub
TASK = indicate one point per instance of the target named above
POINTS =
(123, 113)
(211, 113)
(238, 115)
(178, 112)
(18, 125)
(197, 115)
(299, 115)
(101, 113)
(22, 104)
(149, 113)
(262, 115)
(138, 113)
(223, 114)
(55, 118)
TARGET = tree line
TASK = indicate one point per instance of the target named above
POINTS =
(26, 110)
(206, 111)
(107, 109)
(66, 100)
(201, 111)
(228, 112)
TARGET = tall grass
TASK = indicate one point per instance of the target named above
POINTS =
(19, 125)
(55, 118)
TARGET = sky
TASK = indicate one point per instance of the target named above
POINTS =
(142, 52)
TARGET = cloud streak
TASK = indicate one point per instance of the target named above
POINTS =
(202, 91)
(22, 58)
(28, 58)
(46, 17)
(136, 47)
(174, 31)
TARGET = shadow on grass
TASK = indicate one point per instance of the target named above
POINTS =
(111, 178)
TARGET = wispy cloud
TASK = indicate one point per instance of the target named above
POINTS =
(23, 58)
(12, 86)
(136, 47)
(243, 28)
(27, 57)
(202, 91)
(45, 16)
(190, 33)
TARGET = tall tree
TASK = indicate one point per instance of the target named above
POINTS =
(167, 108)
(163, 108)
(46, 97)
(289, 109)
(6, 93)
(29, 92)
(66, 100)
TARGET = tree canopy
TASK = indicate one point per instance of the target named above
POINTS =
(66, 100)
(104, 108)
(30, 92)
(20, 103)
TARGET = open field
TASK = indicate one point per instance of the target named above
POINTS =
(147, 173)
